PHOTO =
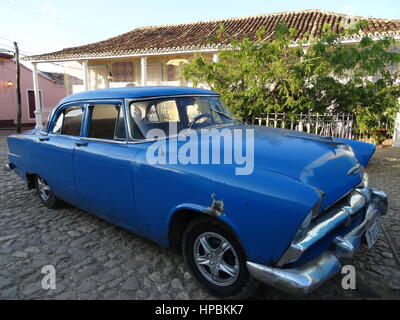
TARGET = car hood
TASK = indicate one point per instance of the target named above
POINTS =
(316, 161)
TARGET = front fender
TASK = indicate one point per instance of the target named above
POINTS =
(264, 210)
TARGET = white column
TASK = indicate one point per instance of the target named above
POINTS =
(215, 57)
(85, 75)
(143, 63)
(182, 81)
(38, 107)
(396, 136)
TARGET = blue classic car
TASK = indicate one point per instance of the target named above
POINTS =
(285, 213)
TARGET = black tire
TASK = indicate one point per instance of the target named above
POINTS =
(243, 286)
(49, 200)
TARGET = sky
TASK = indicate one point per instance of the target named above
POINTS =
(41, 26)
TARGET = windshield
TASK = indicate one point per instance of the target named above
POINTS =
(186, 112)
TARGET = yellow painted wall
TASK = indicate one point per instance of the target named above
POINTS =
(162, 60)
(74, 71)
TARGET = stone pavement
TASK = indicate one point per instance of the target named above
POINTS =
(96, 260)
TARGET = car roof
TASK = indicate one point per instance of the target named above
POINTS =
(136, 93)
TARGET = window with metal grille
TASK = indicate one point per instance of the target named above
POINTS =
(123, 71)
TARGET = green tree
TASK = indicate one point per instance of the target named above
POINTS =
(261, 76)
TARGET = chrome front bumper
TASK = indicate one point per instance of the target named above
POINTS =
(308, 277)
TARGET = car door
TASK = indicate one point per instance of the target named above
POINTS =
(55, 161)
(103, 165)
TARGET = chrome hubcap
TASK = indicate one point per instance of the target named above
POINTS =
(216, 259)
(44, 189)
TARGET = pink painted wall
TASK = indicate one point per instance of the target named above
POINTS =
(52, 93)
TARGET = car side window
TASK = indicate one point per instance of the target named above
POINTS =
(69, 122)
(107, 122)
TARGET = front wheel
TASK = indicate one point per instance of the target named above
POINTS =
(216, 258)
(46, 195)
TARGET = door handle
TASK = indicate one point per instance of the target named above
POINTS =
(81, 144)
(44, 139)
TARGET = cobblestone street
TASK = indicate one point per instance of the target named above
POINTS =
(96, 260)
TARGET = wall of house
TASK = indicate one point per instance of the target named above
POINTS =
(51, 94)
(73, 77)
(102, 73)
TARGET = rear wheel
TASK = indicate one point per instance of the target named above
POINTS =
(216, 258)
(46, 195)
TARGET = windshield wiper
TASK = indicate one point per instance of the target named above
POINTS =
(226, 115)
(189, 127)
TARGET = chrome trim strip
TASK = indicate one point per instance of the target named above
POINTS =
(103, 140)
(317, 207)
(128, 121)
(171, 96)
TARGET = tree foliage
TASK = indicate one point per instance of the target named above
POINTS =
(261, 76)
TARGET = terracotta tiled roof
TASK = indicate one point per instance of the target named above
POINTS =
(4, 55)
(55, 77)
(190, 37)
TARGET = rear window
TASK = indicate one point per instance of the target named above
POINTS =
(165, 111)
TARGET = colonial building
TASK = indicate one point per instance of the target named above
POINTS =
(156, 55)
